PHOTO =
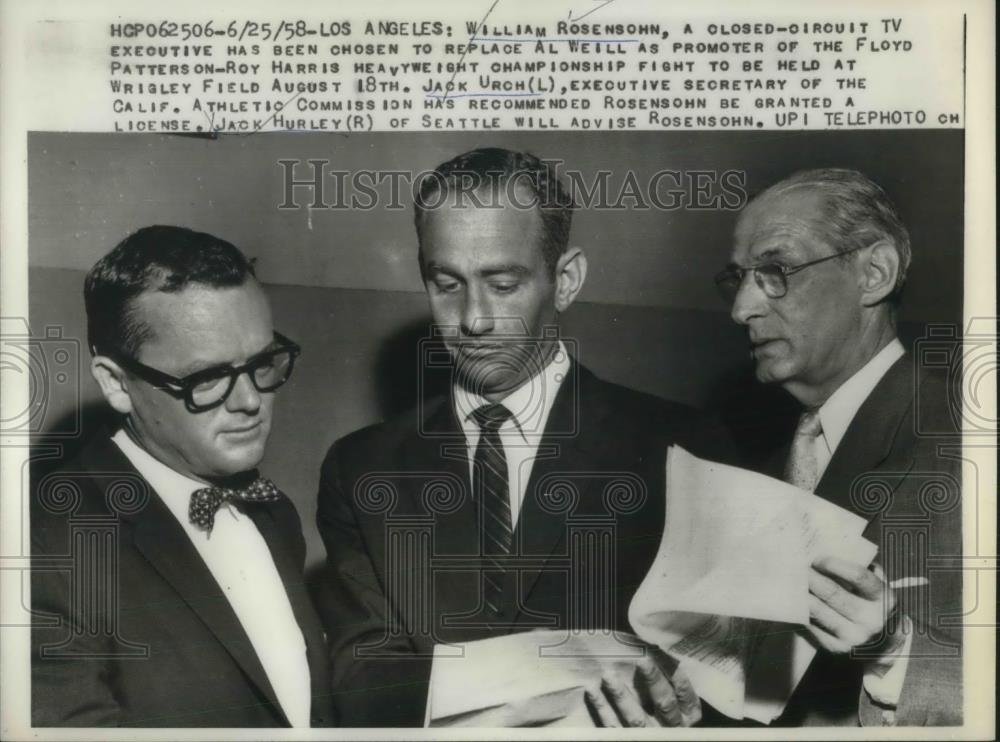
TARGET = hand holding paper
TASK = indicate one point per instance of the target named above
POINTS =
(731, 583)
(559, 678)
(848, 604)
(660, 695)
(746, 562)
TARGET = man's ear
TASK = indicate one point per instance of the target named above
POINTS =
(879, 271)
(110, 377)
(571, 272)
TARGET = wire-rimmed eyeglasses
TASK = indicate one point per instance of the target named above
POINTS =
(771, 278)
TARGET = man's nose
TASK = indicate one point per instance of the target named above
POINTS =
(477, 313)
(244, 397)
(750, 300)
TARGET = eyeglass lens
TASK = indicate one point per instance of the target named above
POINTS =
(267, 374)
(768, 276)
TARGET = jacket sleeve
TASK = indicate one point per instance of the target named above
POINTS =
(932, 688)
(931, 693)
(378, 677)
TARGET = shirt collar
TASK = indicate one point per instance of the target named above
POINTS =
(529, 404)
(174, 488)
(837, 412)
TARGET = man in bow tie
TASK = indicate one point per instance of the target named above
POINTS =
(167, 583)
(816, 275)
(540, 485)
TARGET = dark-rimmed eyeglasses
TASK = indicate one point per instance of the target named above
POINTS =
(206, 389)
(771, 278)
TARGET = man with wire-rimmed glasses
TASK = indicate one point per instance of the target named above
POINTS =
(815, 276)
(196, 615)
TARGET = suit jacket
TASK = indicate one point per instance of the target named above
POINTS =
(130, 628)
(898, 466)
(402, 534)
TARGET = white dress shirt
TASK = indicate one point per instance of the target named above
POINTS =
(240, 561)
(530, 405)
(883, 677)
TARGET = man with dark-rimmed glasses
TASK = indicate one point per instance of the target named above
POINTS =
(195, 613)
(815, 276)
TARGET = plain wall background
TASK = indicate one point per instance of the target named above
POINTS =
(345, 285)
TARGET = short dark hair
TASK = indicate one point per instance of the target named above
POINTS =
(157, 258)
(493, 168)
(857, 212)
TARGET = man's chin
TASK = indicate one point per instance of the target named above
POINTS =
(238, 459)
(489, 377)
(773, 371)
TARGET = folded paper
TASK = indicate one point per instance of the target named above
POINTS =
(729, 587)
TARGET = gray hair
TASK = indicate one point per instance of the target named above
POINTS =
(856, 212)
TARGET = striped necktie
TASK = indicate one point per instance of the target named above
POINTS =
(489, 483)
(768, 640)
(802, 468)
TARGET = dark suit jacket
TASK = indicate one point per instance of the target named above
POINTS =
(402, 536)
(898, 466)
(130, 628)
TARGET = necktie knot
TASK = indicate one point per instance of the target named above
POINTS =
(491, 417)
(810, 426)
(205, 502)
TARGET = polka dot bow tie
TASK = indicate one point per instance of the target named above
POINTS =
(205, 502)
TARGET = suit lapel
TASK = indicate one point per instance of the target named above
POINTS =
(541, 526)
(163, 543)
(439, 454)
(570, 447)
(869, 439)
(435, 462)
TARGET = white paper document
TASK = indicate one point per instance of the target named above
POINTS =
(530, 678)
(729, 586)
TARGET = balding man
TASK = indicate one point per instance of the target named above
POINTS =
(815, 276)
